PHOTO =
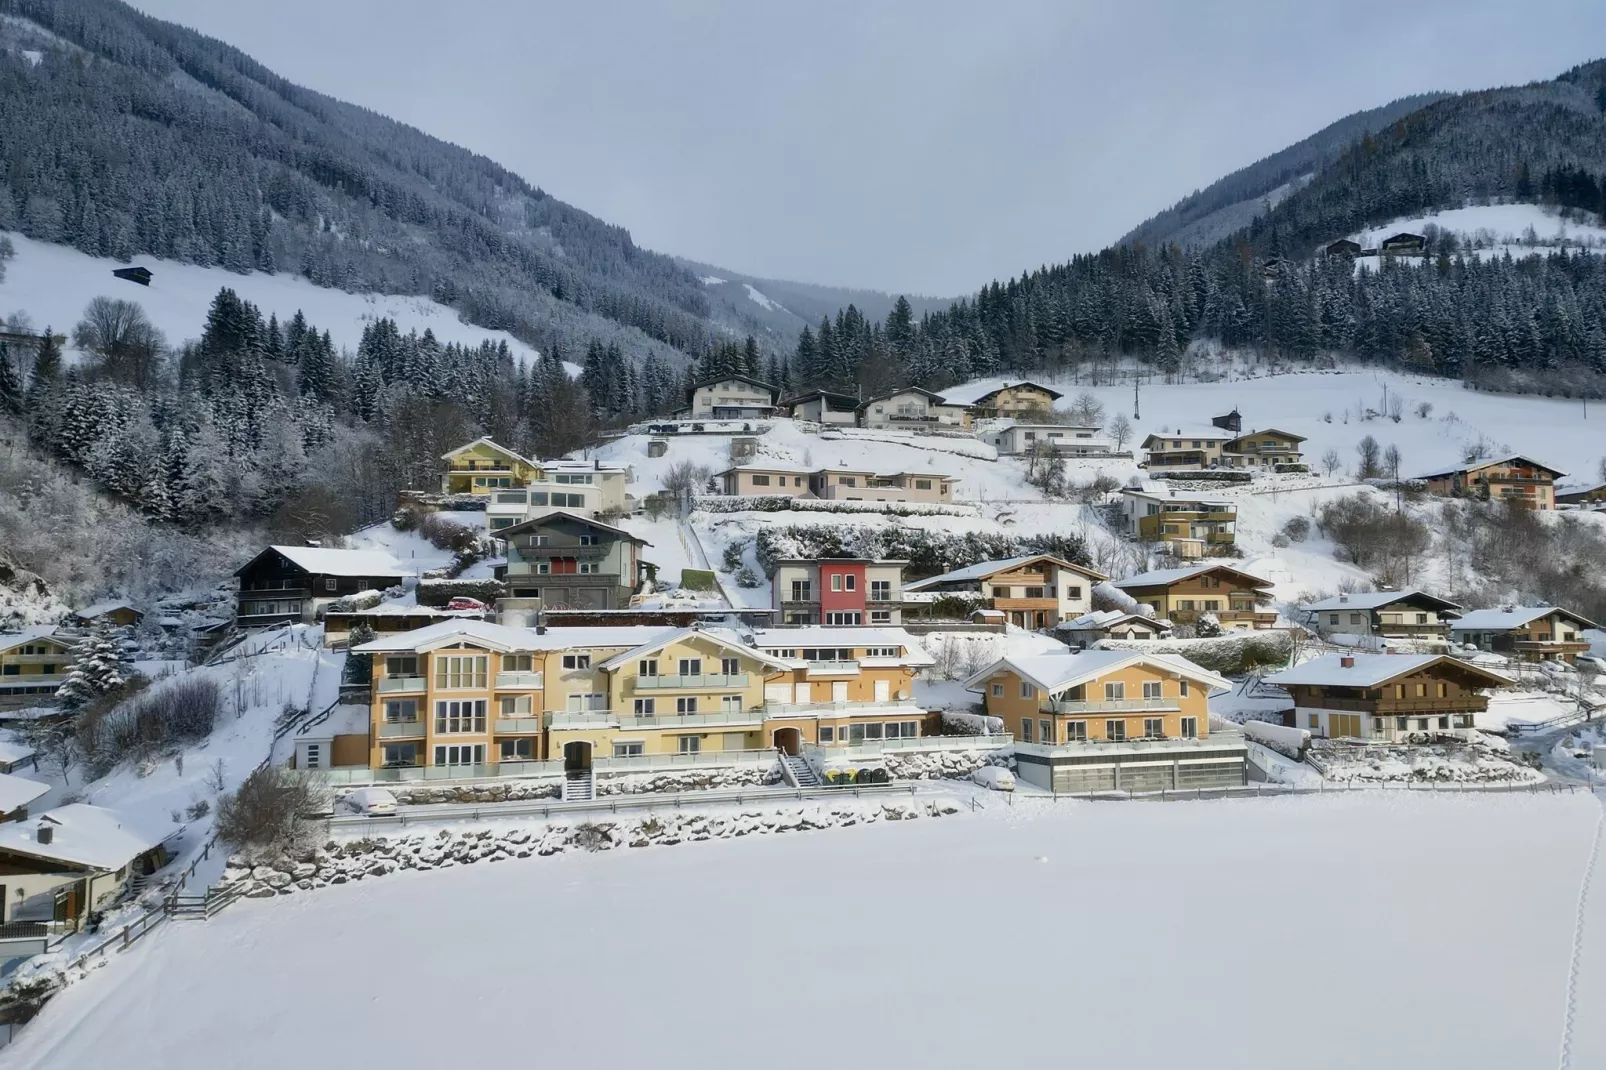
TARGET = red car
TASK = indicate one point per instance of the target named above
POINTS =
(461, 602)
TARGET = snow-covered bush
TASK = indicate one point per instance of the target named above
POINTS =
(746, 577)
(273, 812)
(356, 603)
(781, 503)
(1238, 651)
(153, 722)
(438, 592)
(1207, 627)
(928, 552)
(1289, 742)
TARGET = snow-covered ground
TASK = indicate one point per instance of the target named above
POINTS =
(53, 283)
(1494, 229)
(1361, 929)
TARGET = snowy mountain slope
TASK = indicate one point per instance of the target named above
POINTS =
(1488, 231)
(53, 283)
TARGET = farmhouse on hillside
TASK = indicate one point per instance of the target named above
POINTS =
(1514, 478)
(1408, 614)
(290, 584)
(1183, 595)
(1035, 591)
(730, 397)
(1397, 697)
(1527, 633)
(912, 407)
(993, 398)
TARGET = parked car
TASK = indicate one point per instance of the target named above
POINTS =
(994, 776)
(371, 801)
(1591, 661)
(464, 602)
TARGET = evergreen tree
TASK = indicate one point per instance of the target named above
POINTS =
(99, 668)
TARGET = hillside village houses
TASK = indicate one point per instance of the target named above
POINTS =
(1013, 438)
(1184, 595)
(824, 407)
(294, 584)
(1035, 591)
(62, 865)
(1191, 526)
(1586, 493)
(912, 407)
(841, 483)
(111, 613)
(1514, 478)
(1385, 614)
(838, 592)
(1090, 628)
(1394, 697)
(993, 399)
(34, 663)
(732, 397)
(1213, 447)
(570, 561)
(517, 488)
(1112, 720)
(1526, 633)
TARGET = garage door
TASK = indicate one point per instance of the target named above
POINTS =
(1211, 775)
(1073, 780)
(1154, 777)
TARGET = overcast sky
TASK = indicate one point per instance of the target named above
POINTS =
(924, 146)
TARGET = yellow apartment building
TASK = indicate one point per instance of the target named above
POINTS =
(34, 663)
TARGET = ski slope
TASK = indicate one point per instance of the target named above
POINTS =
(1371, 929)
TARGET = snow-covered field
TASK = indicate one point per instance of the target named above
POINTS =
(1367, 929)
(53, 283)
(1497, 228)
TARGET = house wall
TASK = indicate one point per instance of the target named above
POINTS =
(846, 574)
(730, 394)
(1014, 707)
(31, 672)
(1261, 449)
(482, 468)
(792, 484)
(1187, 600)
(1015, 401)
(1183, 451)
(430, 691)
(819, 411)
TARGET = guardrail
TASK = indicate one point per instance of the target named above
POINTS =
(692, 720)
(1114, 705)
(710, 680)
(403, 685)
(871, 747)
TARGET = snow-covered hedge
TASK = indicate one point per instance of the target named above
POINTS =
(1289, 742)
(438, 592)
(958, 723)
(928, 552)
(1238, 651)
(781, 503)
(511, 791)
(695, 780)
(353, 603)
(942, 765)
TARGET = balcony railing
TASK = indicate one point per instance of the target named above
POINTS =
(827, 668)
(690, 720)
(514, 726)
(402, 685)
(551, 549)
(709, 681)
(401, 730)
(1112, 705)
(898, 707)
(871, 748)
(585, 719)
(1221, 738)
(515, 680)
(1388, 707)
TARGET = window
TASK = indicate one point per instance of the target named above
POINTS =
(1027, 689)
(881, 616)
(827, 733)
(314, 754)
(1045, 731)
(401, 711)
(396, 755)
(1399, 690)
(730, 704)
(1184, 687)
(1114, 692)
(998, 690)
(1444, 723)
(730, 666)
(1073, 592)
(1442, 689)
(1332, 618)
(454, 717)
(1190, 728)
(1315, 722)
(761, 481)
(470, 754)
(647, 667)
(691, 667)
(590, 702)
(1115, 731)
(1076, 731)
(589, 568)
(880, 590)
(801, 591)
(844, 618)
(686, 705)
(590, 540)
(626, 750)
(836, 582)
(1000, 592)
(690, 744)
(515, 706)
(1034, 592)
(646, 707)
(1402, 724)
(460, 672)
(1421, 690)
(880, 651)
(518, 750)
(1356, 618)
(1153, 728)
(1421, 618)
(1185, 604)
(1152, 688)
(517, 663)
(577, 661)
(329, 583)
(1212, 604)
(922, 484)
(401, 666)
(1025, 729)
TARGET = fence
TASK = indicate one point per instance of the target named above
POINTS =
(1252, 791)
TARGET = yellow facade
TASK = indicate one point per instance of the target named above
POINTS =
(483, 467)
(1136, 697)
(32, 669)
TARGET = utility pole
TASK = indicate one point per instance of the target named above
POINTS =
(1135, 415)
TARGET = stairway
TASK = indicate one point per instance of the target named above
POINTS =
(578, 787)
(802, 773)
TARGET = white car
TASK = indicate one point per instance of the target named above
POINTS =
(1592, 661)
(994, 776)
(371, 801)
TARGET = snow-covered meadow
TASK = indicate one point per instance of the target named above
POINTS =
(1363, 929)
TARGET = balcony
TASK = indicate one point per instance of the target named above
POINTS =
(901, 708)
(699, 683)
(1387, 707)
(516, 726)
(403, 685)
(517, 681)
(833, 668)
(692, 720)
(1112, 705)
(1219, 739)
(401, 730)
(586, 719)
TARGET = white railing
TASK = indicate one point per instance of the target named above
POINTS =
(827, 667)
(892, 707)
(713, 681)
(401, 729)
(1114, 705)
(518, 680)
(515, 725)
(686, 720)
(908, 744)
(693, 759)
(582, 719)
(407, 685)
(1221, 738)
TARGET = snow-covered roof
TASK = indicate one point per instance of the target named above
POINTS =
(1367, 670)
(100, 609)
(1166, 576)
(17, 792)
(982, 569)
(720, 637)
(558, 514)
(1451, 467)
(1375, 600)
(1171, 497)
(84, 835)
(324, 561)
(411, 609)
(1504, 619)
(11, 753)
(1580, 488)
(501, 638)
(486, 440)
(778, 466)
(1103, 618)
(1212, 433)
(973, 392)
(29, 635)
(1004, 423)
(1054, 673)
(821, 636)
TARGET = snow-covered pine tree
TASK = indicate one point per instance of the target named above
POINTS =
(99, 667)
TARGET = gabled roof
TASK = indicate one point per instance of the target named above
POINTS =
(9, 640)
(1489, 462)
(1101, 619)
(1165, 577)
(716, 380)
(503, 639)
(930, 395)
(100, 609)
(1055, 673)
(1579, 488)
(486, 440)
(815, 635)
(1370, 670)
(850, 400)
(547, 518)
(1160, 494)
(1203, 433)
(323, 561)
(17, 792)
(975, 393)
(1378, 599)
(675, 636)
(982, 569)
(1504, 619)
(1267, 431)
(85, 836)
(781, 467)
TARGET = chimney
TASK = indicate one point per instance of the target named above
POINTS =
(1343, 598)
(540, 629)
(45, 834)
(1347, 661)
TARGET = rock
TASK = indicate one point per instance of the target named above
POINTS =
(262, 873)
(303, 871)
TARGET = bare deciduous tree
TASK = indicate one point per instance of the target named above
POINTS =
(1331, 462)
(275, 810)
(1120, 430)
(1370, 455)
(1086, 411)
(129, 347)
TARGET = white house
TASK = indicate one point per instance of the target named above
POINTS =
(734, 397)
(911, 407)
(1012, 437)
(824, 407)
